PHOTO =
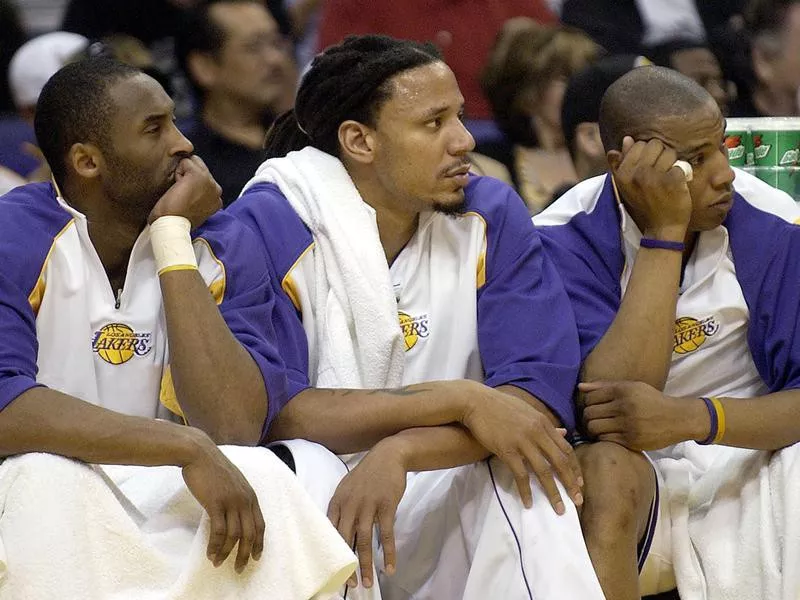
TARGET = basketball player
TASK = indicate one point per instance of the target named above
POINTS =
(686, 296)
(105, 303)
(375, 219)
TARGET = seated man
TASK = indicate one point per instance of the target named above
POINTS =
(99, 314)
(375, 218)
(685, 291)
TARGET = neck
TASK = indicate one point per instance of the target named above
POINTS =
(774, 102)
(549, 138)
(111, 231)
(395, 225)
(236, 121)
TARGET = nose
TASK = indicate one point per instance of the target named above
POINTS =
(181, 144)
(723, 175)
(463, 141)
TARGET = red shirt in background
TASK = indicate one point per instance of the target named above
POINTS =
(463, 29)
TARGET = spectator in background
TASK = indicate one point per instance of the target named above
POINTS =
(462, 29)
(696, 61)
(628, 26)
(35, 62)
(31, 66)
(243, 73)
(774, 32)
(524, 80)
(12, 36)
(580, 112)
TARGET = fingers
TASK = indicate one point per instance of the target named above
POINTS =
(602, 427)
(245, 540)
(343, 519)
(258, 542)
(598, 395)
(364, 544)
(544, 473)
(521, 477)
(217, 535)
(572, 462)
(232, 535)
(386, 525)
(605, 410)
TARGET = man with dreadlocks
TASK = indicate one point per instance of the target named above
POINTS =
(451, 427)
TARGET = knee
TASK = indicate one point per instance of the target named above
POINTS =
(619, 484)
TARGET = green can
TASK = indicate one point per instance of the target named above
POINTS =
(739, 142)
(776, 153)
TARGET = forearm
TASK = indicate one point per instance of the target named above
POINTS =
(348, 421)
(44, 420)
(218, 384)
(765, 423)
(638, 345)
(432, 448)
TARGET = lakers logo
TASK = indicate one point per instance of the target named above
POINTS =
(690, 333)
(414, 329)
(117, 343)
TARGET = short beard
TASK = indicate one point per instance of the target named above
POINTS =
(451, 210)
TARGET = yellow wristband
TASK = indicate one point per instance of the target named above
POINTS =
(178, 268)
(720, 419)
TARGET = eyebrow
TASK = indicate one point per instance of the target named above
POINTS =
(438, 110)
(157, 116)
(695, 149)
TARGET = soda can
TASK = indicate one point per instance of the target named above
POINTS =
(776, 152)
(739, 142)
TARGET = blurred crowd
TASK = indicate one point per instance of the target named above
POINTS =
(532, 71)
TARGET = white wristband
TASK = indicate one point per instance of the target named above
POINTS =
(172, 244)
(684, 166)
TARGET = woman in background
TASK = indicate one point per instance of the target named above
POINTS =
(524, 81)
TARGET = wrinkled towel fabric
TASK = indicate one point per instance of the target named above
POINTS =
(734, 526)
(70, 530)
(356, 321)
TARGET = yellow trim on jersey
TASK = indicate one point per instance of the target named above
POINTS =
(167, 395)
(37, 293)
(796, 221)
(287, 283)
(480, 274)
(216, 287)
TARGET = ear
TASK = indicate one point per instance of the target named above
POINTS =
(614, 159)
(203, 68)
(587, 140)
(357, 141)
(86, 160)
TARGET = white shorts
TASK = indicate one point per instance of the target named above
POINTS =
(656, 572)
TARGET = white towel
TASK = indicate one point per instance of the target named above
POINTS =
(118, 532)
(735, 527)
(357, 327)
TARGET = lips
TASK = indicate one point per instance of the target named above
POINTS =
(724, 199)
(460, 170)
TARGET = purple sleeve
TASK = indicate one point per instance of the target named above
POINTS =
(249, 302)
(18, 344)
(768, 274)
(284, 238)
(526, 329)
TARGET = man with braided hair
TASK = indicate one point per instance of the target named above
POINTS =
(452, 425)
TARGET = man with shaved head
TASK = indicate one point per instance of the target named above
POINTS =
(681, 307)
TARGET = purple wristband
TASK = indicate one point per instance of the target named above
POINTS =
(662, 244)
(712, 412)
